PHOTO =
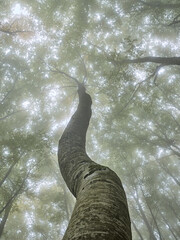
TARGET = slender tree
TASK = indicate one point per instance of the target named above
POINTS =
(4, 218)
(101, 210)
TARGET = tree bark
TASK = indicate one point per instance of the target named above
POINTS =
(101, 210)
(8, 173)
(161, 60)
(137, 231)
(4, 219)
(152, 214)
(169, 172)
(148, 225)
(166, 222)
(159, 4)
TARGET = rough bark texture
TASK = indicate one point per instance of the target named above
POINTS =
(101, 210)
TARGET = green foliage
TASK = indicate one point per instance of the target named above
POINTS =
(135, 123)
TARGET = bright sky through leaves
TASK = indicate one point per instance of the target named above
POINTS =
(136, 113)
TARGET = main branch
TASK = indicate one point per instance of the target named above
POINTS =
(162, 60)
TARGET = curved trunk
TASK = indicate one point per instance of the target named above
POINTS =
(101, 210)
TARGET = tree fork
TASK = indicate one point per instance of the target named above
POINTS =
(101, 210)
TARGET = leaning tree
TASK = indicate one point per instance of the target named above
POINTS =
(101, 210)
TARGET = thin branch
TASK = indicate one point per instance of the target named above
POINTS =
(69, 76)
(14, 195)
(14, 32)
(8, 172)
(98, 47)
(84, 66)
(70, 86)
(4, 218)
(168, 172)
(10, 114)
(131, 98)
(10, 169)
(154, 74)
(55, 70)
(85, 70)
(175, 21)
(9, 92)
(137, 230)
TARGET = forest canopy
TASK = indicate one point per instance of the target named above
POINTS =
(127, 54)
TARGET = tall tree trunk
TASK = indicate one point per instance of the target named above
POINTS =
(169, 226)
(137, 231)
(101, 210)
(8, 173)
(145, 219)
(163, 166)
(152, 214)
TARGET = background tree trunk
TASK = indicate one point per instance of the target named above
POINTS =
(4, 219)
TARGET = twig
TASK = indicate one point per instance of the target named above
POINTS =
(131, 98)
(9, 92)
(10, 114)
(14, 195)
(68, 86)
(98, 47)
(175, 21)
(155, 74)
(55, 70)
(81, 86)
(84, 65)
(137, 86)
(14, 32)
